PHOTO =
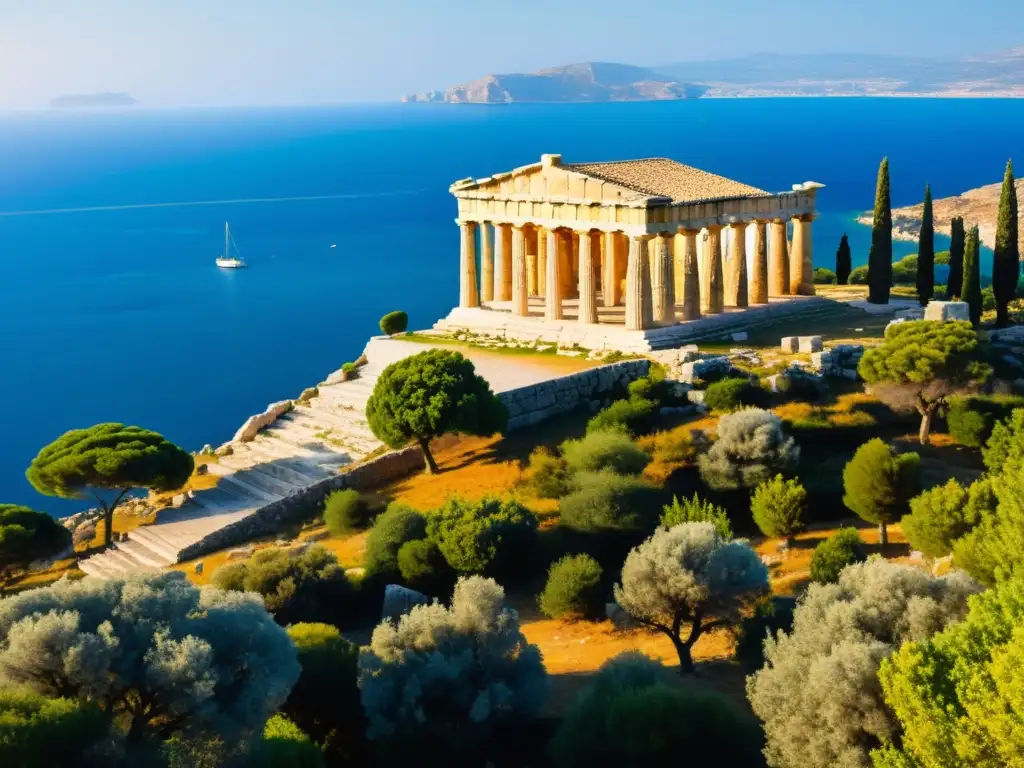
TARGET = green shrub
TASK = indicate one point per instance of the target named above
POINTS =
(345, 511)
(394, 322)
(904, 271)
(823, 276)
(971, 419)
(397, 525)
(649, 387)
(634, 714)
(349, 369)
(308, 586)
(859, 275)
(679, 447)
(605, 449)
(423, 567)
(573, 589)
(26, 535)
(284, 743)
(842, 548)
(636, 416)
(988, 299)
(945, 513)
(751, 447)
(548, 474)
(487, 536)
(694, 510)
(605, 501)
(778, 506)
(732, 394)
(40, 732)
(769, 618)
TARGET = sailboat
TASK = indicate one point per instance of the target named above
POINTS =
(227, 261)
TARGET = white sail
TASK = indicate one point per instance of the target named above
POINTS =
(227, 261)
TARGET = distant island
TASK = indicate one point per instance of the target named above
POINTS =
(977, 206)
(994, 75)
(81, 100)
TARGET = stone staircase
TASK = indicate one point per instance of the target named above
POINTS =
(307, 444)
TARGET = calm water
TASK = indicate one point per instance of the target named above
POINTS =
(119, 314)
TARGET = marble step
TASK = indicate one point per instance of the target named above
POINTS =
(96, 566)
(341, 418)
(129, 564)
(221, 500)
(301, 470)
(315, 448)
(306, 433)
(331, 435)
(285, 471)
(157, 541)
(144, 554)
(255, 479)
(271, 445)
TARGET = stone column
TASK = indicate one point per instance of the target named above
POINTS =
(565, 262)
(639, 309)
(662, 287)
(690, 268)
(532, 236)
(610, 278)
(520, 298)
(801, 266)
(542, 261)
(778, 261)
(468, 296)
(552, 279)
(759, 277)
(736, 279)
(713, 288)
(588, 289)
(486, 262)
(503, 267)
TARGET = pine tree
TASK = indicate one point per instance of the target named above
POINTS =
(954, 286)
(972, 275)
(926, 252)
(880, 255)
(843, 261)
(1006, 259)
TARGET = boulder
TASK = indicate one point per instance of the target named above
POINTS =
(399, 600)
(225, 450)
(810, 344)
(179, 500)
(790, 344)
(913, 313)
(718, 365)
(945, 311)
(198, 568)
(248, 431)
(241, 553)
(309, 393)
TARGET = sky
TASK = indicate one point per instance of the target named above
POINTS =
(266, 52)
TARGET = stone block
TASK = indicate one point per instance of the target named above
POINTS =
(945, 311)
(810, 344)
(740, 336)
(790, 344)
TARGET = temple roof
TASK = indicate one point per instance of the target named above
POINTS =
(661, 177)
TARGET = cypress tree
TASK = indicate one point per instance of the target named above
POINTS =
(954, 287)
(843, 262)
(1006, 259)
(926, 252)
(880, 255)
(972, 275)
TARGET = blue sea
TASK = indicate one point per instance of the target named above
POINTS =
(111, 308)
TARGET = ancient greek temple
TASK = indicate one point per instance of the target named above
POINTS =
(638, 244)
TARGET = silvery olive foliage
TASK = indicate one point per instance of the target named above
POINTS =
(818, 694)
(162, 657)
(443, 678)
(751, 449)
(687, 580)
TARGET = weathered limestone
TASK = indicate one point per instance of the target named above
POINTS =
(588, 289)
(565, 269)
(486, 262)
(712, 282)
(520, 298)
(532, 246)
(759, 277)
(552, 280)
(778, 262)
(801, 270)
(736, 275)
(468, 296)
(503, 265)
(663, 281)
(542, 261)
(944, 311)
(610, 279)
(690, 275)
(639, 309)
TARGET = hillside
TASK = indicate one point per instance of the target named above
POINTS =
(977, 206)
(766, 74)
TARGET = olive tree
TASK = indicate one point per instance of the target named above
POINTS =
(442, 680)
(751, 448)
(958, 696)
(108, 461)
(689, 579)
(921, 364)
(430, 394)
(818, 694)
(161, 657)
(27, 535)
(879, 483)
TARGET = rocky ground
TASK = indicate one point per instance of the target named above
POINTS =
(977, 206)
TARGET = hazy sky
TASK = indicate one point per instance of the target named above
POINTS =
(226, 52)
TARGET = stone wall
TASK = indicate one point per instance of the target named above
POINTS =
(533, 404)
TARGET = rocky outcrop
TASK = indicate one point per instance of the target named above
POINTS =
(254, 424)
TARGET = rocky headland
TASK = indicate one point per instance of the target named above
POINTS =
(977, 206)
